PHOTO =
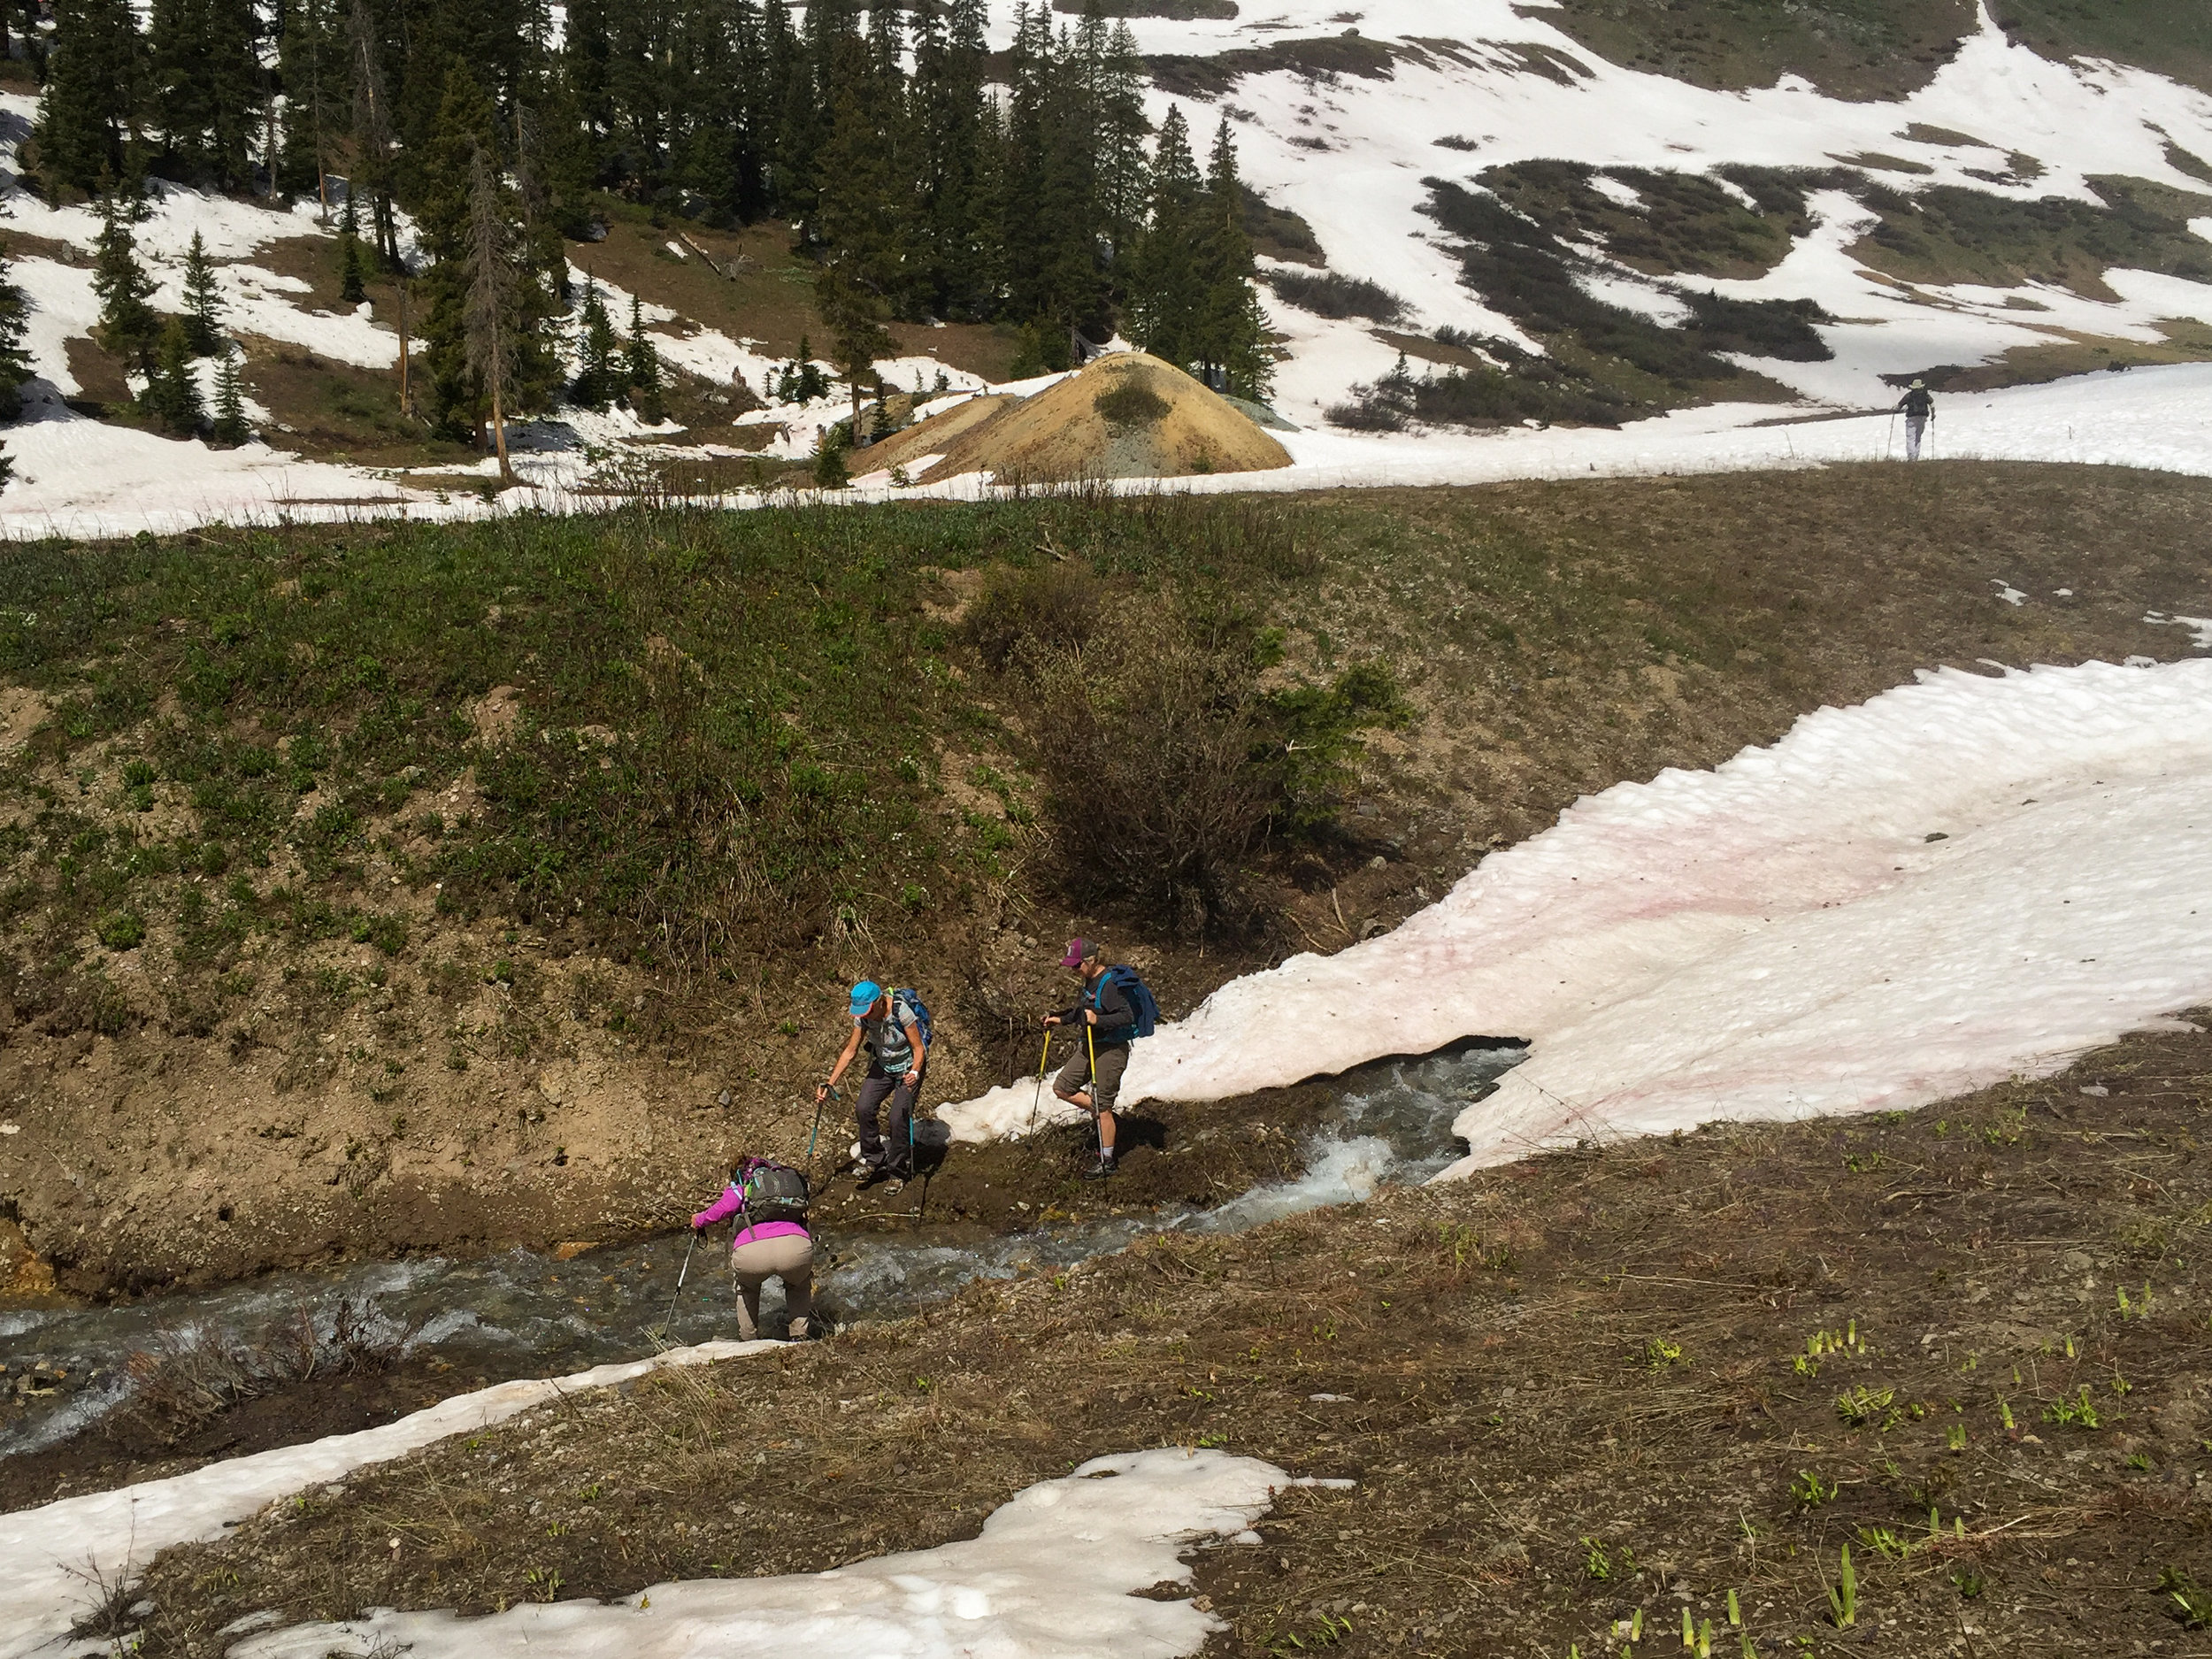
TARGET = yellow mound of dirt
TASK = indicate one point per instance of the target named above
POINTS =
(1123, 415)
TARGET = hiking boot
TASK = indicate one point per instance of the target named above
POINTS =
(871, 1173)
(1101, 1169)
(898, 1185)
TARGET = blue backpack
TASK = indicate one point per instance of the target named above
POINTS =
(1139, 995)
(911, 1002)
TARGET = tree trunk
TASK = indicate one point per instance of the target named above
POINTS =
(499, 436)
(406, 393)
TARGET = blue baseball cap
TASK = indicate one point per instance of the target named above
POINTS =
(864, 997)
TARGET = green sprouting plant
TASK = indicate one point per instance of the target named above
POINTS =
(1885, 1543)
(2004, 1414)
(1860, 1405)
(2192, 1603)
(1955, 1437)
(1735, 1611)
(2121, 1384)
(1811, 1490)
(1660, 1353)
(1843, 1599)
(2140, 1460)
(1596, 1564)
(545, 1582)
(2138, 1308)
(1704, 1648)
(2078, 1413)
(1968, 1583)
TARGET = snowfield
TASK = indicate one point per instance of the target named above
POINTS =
(1961, 880)
(1361, 192)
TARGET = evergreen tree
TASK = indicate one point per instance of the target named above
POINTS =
(15, 362)
(173, 392)
(446, 205)
(311, 66)
(372, 131)
(1164, 295)
(641, 364)
(202, 307)
(854, 315)
(599, 372)
(128, 328)
(493, 311)
(829, 458)
(87, 134)
(353, 264)
(955, 148)
(230, 427)
(1229, 341)
(206, 86)
(1122, 173)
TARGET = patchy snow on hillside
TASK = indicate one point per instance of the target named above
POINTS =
(1363, 194)
(1508, 84)
(52, 1555)
(1963, 878)
(1063, 1568)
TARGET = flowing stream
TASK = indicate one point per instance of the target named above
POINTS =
(523, 1313)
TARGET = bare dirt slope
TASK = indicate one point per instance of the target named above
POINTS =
(1125, 415)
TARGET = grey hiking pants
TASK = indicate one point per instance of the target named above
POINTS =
(789, 1258)
(894, 1149)
(1075, 1077)
(1916, 429)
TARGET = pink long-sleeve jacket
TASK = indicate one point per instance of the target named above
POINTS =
(733, 1203)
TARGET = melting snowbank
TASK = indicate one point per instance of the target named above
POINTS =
(49, 1555)
(1055, 1571)
(1779, 937)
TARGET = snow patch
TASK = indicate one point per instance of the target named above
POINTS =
(1776, 938)
(46, 1553)
(1057, 1571)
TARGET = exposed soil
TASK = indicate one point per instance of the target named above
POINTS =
(1595, 1386)
(1124, 416)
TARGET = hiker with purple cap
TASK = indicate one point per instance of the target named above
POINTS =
(895, 1025)
(1092, 1078)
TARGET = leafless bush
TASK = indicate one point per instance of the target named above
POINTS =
(191, 1374)
(1147, 739)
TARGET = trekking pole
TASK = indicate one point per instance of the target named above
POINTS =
(683, 1273)
(1090, 1036)
(827, 1093)
(1044, 1055)
(1889, 440)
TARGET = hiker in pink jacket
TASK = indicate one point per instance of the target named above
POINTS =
(768, 1201)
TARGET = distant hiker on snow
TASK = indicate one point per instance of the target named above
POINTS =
(1115, 1009)
(771, 1241)
(895, 1026)
(1918, 407)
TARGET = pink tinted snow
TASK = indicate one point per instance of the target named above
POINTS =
(1777, 937)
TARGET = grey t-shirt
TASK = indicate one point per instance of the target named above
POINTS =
(888, 1037)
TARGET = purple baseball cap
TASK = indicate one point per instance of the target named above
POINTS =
(1078, 949)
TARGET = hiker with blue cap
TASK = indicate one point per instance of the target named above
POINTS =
(895, 1025)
